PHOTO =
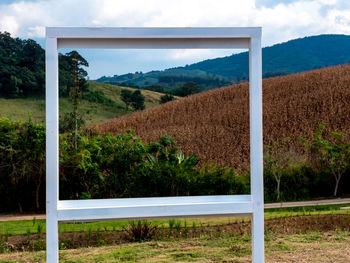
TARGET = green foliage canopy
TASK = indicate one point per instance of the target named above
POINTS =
(22, 68)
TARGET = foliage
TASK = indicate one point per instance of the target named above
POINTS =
(98, 96)
(167, 80)
(22, 68)
(22, 165)
(120, 166)
(69, 121)
(276, 159)
(187, 89)
(215, 124)
(102, 166)
(140, 230)
(214, 179)
(125, 96)
(135, 99)
(334, 153)
(72, 74)
(166, 98)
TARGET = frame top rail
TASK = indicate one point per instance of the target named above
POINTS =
(153, 32)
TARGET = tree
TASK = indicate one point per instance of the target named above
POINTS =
(276, 159)
(126, 97)
(138, 100)
(187, 89)
(25, 59)
(79, 74)
(166, 98)
(13, 89)
(334, 153)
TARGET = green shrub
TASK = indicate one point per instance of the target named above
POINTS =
(140, 230)
(22, 165)
(213, 179)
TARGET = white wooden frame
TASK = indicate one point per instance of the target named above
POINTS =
(162, 207)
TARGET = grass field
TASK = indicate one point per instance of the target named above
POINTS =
(20, 109)
(31, 226)
(300, 234)
(313, 247)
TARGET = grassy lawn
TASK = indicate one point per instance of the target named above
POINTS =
(32, 226)
(19, 109)
(313, 247)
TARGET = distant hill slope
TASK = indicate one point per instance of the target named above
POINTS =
(20, 109)
(215, 124)
(168, 79)
(290, 57)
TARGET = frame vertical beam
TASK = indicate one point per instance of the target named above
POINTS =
(52, 148)
(256, 148)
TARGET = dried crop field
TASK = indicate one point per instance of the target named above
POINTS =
(215, 124)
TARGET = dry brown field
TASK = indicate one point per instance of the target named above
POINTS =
(215, 124)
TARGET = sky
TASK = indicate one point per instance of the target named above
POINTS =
(281, 21)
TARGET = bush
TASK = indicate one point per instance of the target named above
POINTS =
(22, 166)
(166, 98)
(213, 180)
(140, 231)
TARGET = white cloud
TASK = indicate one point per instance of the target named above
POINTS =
(9, 24)
(280, 22)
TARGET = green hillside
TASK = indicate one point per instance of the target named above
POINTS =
(294, 56)
(21, 109)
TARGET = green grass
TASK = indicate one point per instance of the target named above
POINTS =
(22, 227)
(20, 109)
(312, 247)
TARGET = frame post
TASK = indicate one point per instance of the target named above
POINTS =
(52, 144)
(256, 149)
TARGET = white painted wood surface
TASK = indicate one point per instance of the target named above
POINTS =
(162, 207)
(52, 148)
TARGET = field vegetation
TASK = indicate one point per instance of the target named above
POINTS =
(215, 124)
(280, 248)
(229, 238)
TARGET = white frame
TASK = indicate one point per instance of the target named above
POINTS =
(162, 207)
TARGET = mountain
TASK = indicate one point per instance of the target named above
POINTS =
(290, 57)
(215, 124)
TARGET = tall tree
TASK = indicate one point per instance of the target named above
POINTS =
(126, 97)
(79, 76)
(276, 159)
(333, 153)
(22, 68)
(138, 100)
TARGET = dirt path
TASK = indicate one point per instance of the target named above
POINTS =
(271, 205)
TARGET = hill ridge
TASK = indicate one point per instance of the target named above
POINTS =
(292, 56)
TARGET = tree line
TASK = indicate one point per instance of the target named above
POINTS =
(22, 68)
(122, 165)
